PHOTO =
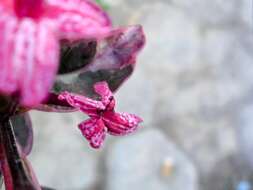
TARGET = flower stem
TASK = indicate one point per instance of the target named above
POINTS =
(17, 173)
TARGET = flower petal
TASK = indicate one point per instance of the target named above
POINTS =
(6, 5)
(8, 27)
(83, 103)
(121, 123)
(94, 131)
(28, 8)
(98, 139)
(37, 53)
(29, 58)
(53, 104)
(77, 19)
(104, 91)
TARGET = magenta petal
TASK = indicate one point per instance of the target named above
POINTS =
(81, 102)
(37, 51)
(78, 19)
(6, 5)
(28, 58)
(94, 131)
(104, 91)
(28, 8)
(8, 82)
(125, 119)
(121, 123)
(98, 139)
(88, 128)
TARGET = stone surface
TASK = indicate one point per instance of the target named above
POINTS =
(229, 173)
(244, 128)
(216, 12)
(61, 157)
(247, 12)
(137, 96)
(137, 163)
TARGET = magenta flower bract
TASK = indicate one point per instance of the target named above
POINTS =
(30, 31)
(103, 118)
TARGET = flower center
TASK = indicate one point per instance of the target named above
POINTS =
(28, 8)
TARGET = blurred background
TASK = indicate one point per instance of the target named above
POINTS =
(193, 85)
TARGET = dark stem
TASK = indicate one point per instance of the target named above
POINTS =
(16, 166)
(19, 176)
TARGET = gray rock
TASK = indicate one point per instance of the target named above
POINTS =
(203, 140)
(247, 12)
(216, 12)
(199, 60)
(165, 27)
(229, 173)
(59, 157)
(244, 121)
(149, 161)
(216, 143)
(200, 73)
(137, 96)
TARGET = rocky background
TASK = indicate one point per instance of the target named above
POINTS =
(194, 88)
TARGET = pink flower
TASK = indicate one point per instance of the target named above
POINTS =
(103, 118)
(30, 31)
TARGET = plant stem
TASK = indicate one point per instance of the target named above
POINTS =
(17, 174)
(5, 171)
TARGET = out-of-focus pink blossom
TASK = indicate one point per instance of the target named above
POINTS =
(103, 118)
(30, 31)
